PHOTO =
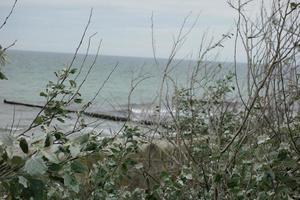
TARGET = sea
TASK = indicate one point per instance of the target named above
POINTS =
(122, 81)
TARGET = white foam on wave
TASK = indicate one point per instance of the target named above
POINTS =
(143, 111)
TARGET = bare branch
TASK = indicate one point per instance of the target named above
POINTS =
(9, 14)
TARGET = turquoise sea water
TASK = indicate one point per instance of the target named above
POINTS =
(29, 72)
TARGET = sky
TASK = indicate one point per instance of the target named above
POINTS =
(123, 25)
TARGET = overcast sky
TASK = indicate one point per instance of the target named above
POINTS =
(124, 25)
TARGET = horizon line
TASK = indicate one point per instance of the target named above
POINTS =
(111, 55)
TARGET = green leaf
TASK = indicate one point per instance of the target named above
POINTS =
(23, 181)
(58, 135)
(24, 145)
(61, 120)
(48, 140)
(78, 167)
(17, 161)
(218, 178)
(282, 155)
(91, 146)
(164, 175)
(73, 71)
(75, 150)
(51, 157)
(78, 100)
(36, 190)
(2, 76)
(39, 120)
(43, 94)
(233, 181)
(55, 167)
(72, 83)
(71, 182)
(293, 5)
(35, 166)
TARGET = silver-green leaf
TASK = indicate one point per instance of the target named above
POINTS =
(35, 166)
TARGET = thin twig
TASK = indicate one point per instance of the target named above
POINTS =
(9, 14)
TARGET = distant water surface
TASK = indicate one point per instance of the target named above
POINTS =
(29, 72)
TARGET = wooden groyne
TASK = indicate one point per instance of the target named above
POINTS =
(21, 104)
(105, 116)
